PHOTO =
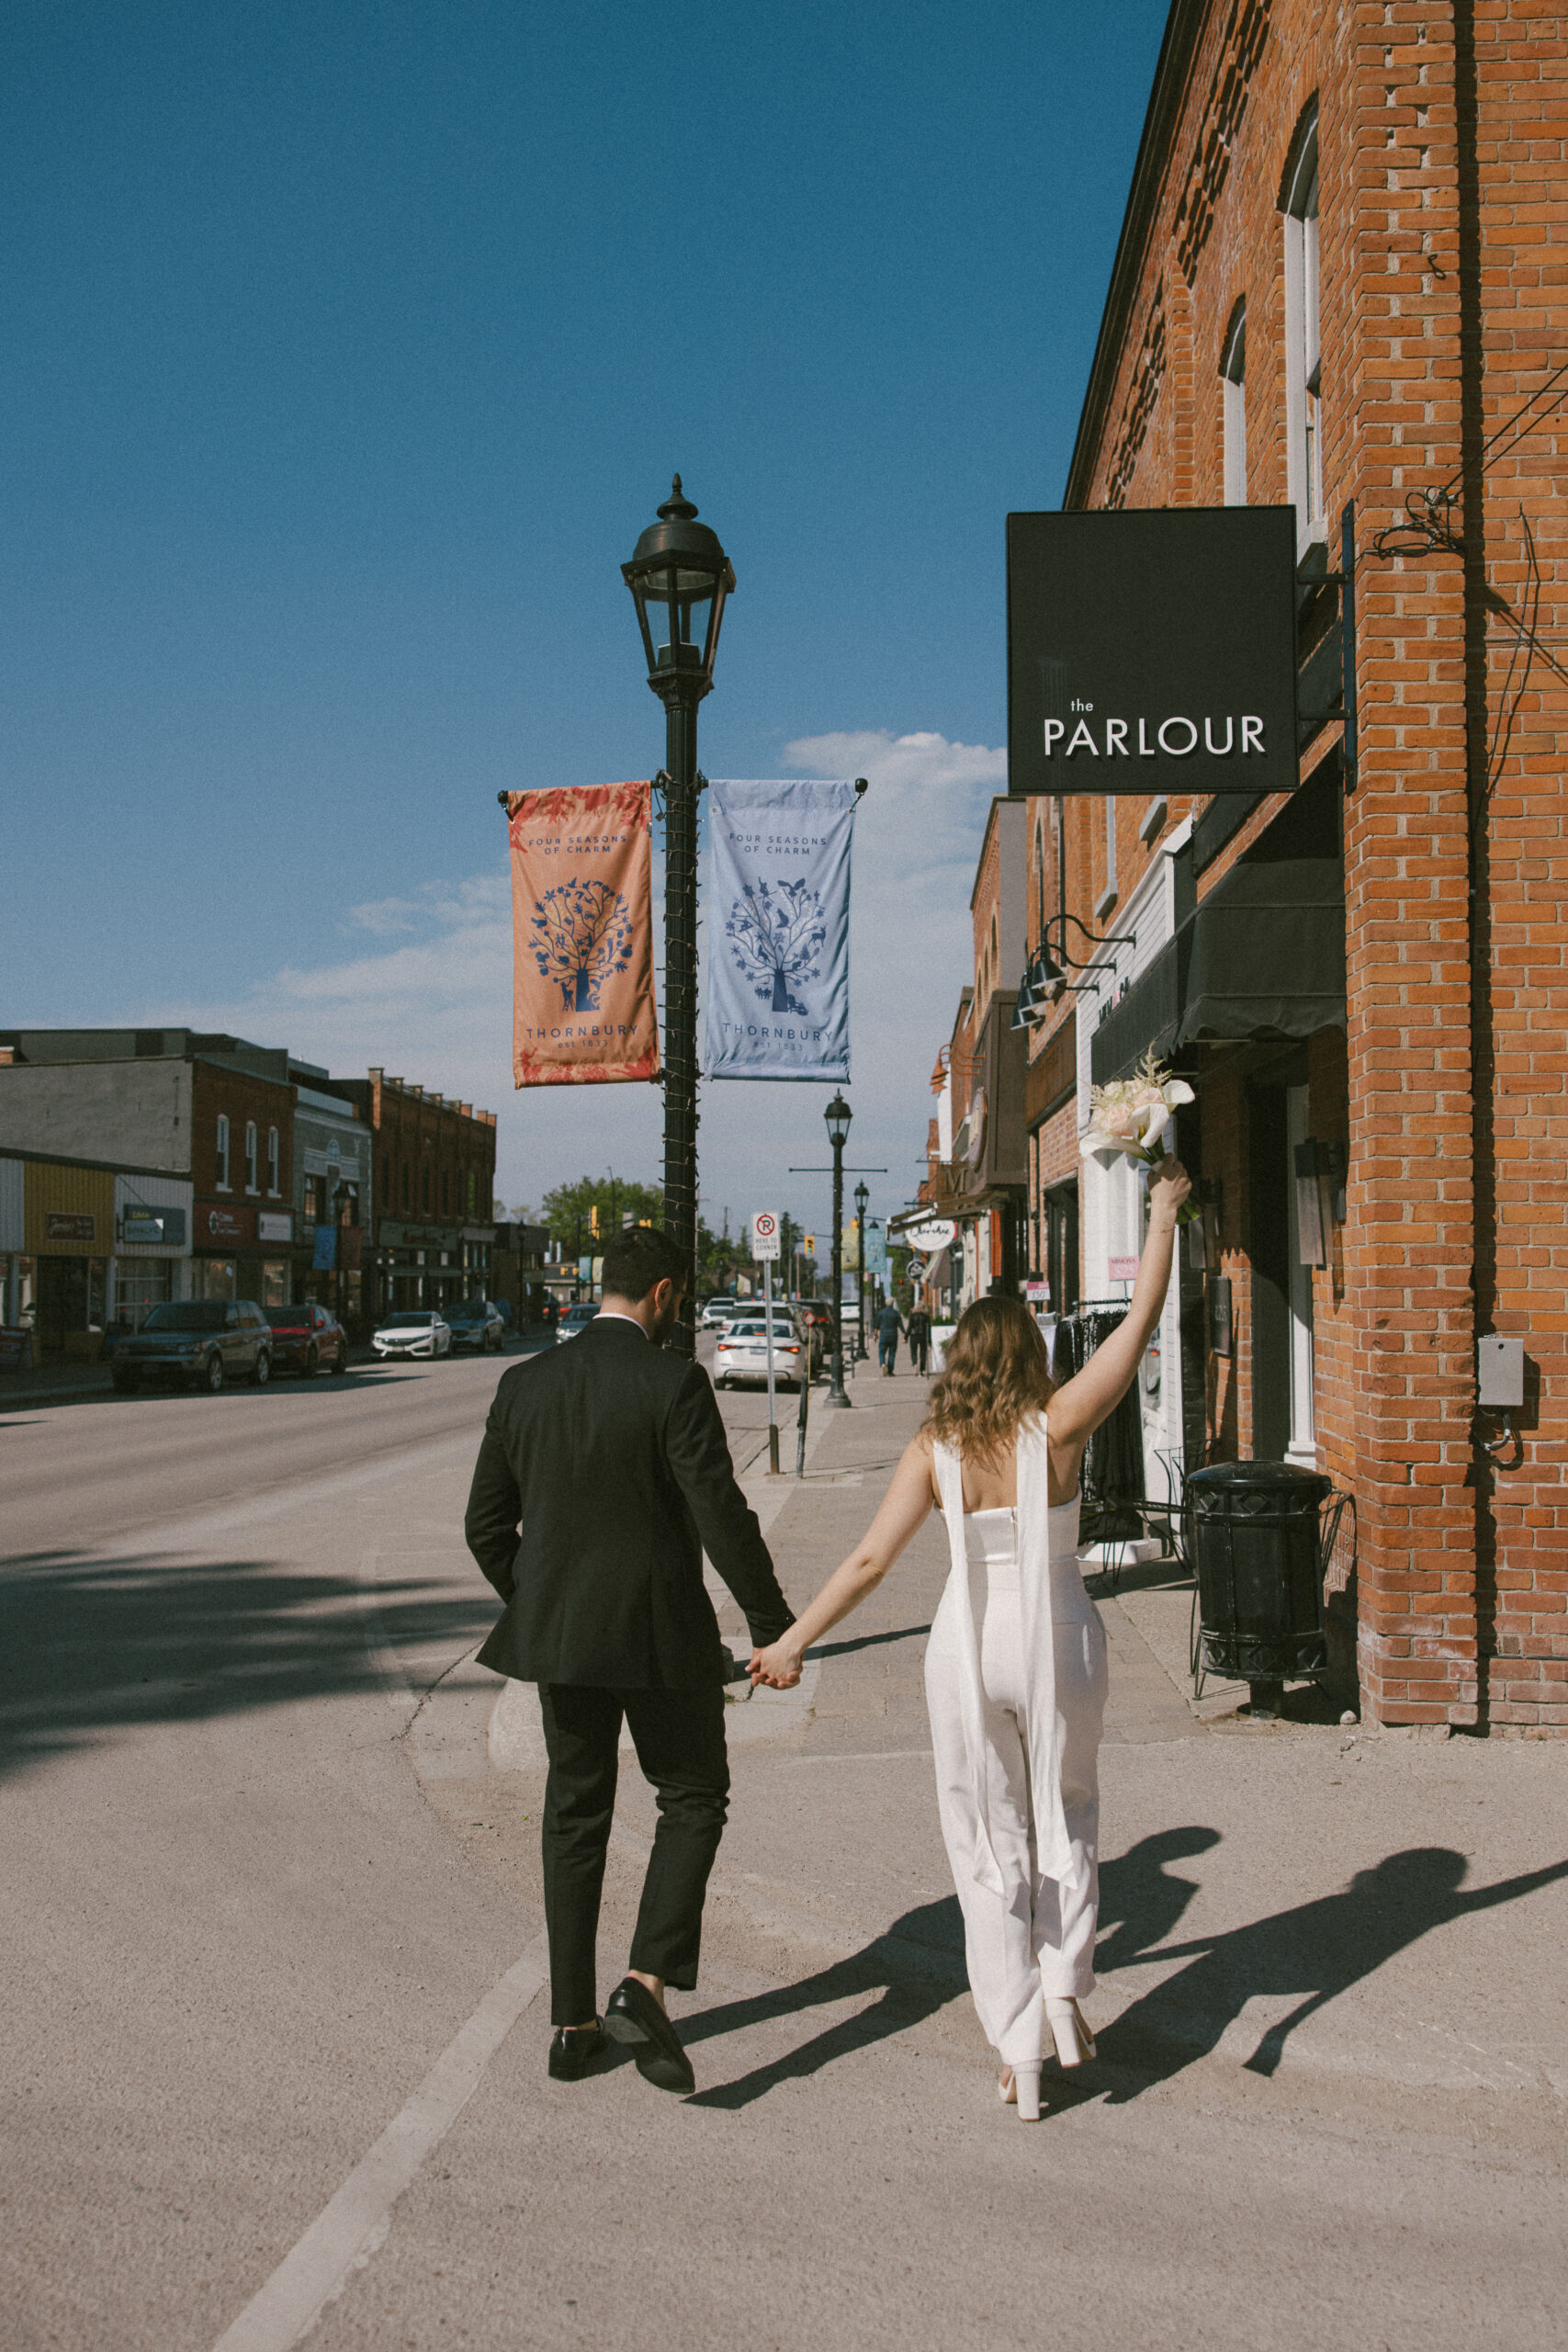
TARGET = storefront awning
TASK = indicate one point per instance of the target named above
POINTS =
(1263, 956)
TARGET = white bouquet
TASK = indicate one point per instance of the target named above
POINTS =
(1128, 1119)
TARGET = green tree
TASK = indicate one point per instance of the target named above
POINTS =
(567, 1210)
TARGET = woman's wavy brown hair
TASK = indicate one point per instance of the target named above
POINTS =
(997, 1375)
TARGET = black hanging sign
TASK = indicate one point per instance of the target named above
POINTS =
(1152, 650)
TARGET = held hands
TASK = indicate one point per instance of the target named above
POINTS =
(778, 1665)
(1169, 1187)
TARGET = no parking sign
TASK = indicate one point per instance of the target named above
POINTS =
(765, 1243)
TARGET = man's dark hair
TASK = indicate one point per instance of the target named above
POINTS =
(642, 1256)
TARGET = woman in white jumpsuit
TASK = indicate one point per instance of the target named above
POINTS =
(1015, 1669)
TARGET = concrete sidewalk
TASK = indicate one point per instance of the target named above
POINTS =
(1333, 2036)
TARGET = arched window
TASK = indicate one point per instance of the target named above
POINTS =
(1233, 370)
(251, 1161)
(222, 1151)
(1303, 370)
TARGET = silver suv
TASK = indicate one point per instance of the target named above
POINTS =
(204, 1342)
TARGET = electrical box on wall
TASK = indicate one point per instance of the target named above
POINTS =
(1500, 1373)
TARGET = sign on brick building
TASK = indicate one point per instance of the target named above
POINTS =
(1152, 650)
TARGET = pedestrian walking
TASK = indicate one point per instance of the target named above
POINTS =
(919, 1331)
(604, 1476)
(889, 1323)
(1015, 1667)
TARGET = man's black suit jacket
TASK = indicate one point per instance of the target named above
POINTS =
(604, 1476)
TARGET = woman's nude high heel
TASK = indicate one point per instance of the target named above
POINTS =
(1020, 2087)
(1073, 2039)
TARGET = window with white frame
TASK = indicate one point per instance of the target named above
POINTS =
(1233, 370)
(1303, 367)
(222, 1151)
(272, 1162)
(251, 1161)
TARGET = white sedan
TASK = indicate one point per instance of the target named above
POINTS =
(412, 1331)
(742, 1353)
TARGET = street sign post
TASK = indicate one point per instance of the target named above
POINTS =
(766, 1247)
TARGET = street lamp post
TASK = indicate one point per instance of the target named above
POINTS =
(680, 577)
(862, 1197)
(838, 1115)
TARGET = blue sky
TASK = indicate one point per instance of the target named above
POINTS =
(347, 351)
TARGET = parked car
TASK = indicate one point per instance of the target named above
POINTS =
(575, 1320)
(305, 1336)
(477, 1324)
(742, 1352)
(717, 1313)
(412, 1331)
(203, 1343)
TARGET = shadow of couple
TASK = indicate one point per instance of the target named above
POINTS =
(1313, 1951)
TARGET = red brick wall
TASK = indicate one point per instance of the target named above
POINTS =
(217, 1092)
(1443, 208)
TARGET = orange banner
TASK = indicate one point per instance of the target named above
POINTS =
(583, 935)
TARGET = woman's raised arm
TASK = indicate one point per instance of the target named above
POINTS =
(904, 1511)
(1093, 1395)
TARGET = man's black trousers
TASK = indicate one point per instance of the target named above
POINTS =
(678, 1737)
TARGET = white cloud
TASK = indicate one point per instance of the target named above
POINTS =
(435, 1007)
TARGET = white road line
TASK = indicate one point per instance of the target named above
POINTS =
(354, 2223)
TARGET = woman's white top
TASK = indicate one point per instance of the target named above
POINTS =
(1036, 1541)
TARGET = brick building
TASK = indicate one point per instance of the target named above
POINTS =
(1338, 286)
(433, 1180)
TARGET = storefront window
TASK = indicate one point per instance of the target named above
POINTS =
(274, 1283)
(140, 1283)
(214, 1278)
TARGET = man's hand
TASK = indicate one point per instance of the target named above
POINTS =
(778, 1665)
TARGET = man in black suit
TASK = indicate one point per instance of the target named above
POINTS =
(604, 1476)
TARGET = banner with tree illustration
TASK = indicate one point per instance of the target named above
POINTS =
(778, 928)
(583, 935)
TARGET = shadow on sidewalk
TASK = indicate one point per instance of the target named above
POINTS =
(1315, 1950)
(908, 1996)
(91, 1646)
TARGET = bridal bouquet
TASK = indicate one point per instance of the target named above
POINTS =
(1129, 1117)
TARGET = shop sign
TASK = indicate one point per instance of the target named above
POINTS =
(154, 1229)
(15, 1348)
(1152, 650)
(324, 1256)
(936, 1233)
(219, 1224)
(275, 1225)
(67, 1224)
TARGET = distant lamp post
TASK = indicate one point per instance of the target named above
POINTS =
(680, 577)
(863, 1197)
(838, 1117)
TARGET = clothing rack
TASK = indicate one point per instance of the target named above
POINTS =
(1110, 1482)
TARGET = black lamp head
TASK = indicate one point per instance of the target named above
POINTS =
(838, 1115)
(679, 576)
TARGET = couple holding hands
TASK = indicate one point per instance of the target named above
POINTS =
(603, 1476)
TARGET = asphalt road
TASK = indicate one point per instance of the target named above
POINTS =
(273, 2038)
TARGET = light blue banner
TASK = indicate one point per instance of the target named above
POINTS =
(778, 978)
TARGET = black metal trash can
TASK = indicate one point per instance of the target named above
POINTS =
(1254, 1539)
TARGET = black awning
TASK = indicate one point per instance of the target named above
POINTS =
(1263, 956)
(1267, 954)
(1142, 1021)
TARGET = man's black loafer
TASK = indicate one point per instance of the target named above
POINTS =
(571, 2048)
(634, 2017)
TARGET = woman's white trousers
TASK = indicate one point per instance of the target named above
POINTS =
(1036, 1937)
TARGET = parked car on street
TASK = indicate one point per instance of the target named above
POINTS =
(717, 1313)
(477, 1324)
(742, 1352)
(576, 1319)
(412, 1331)
(203, 1343)
(305, 1336)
